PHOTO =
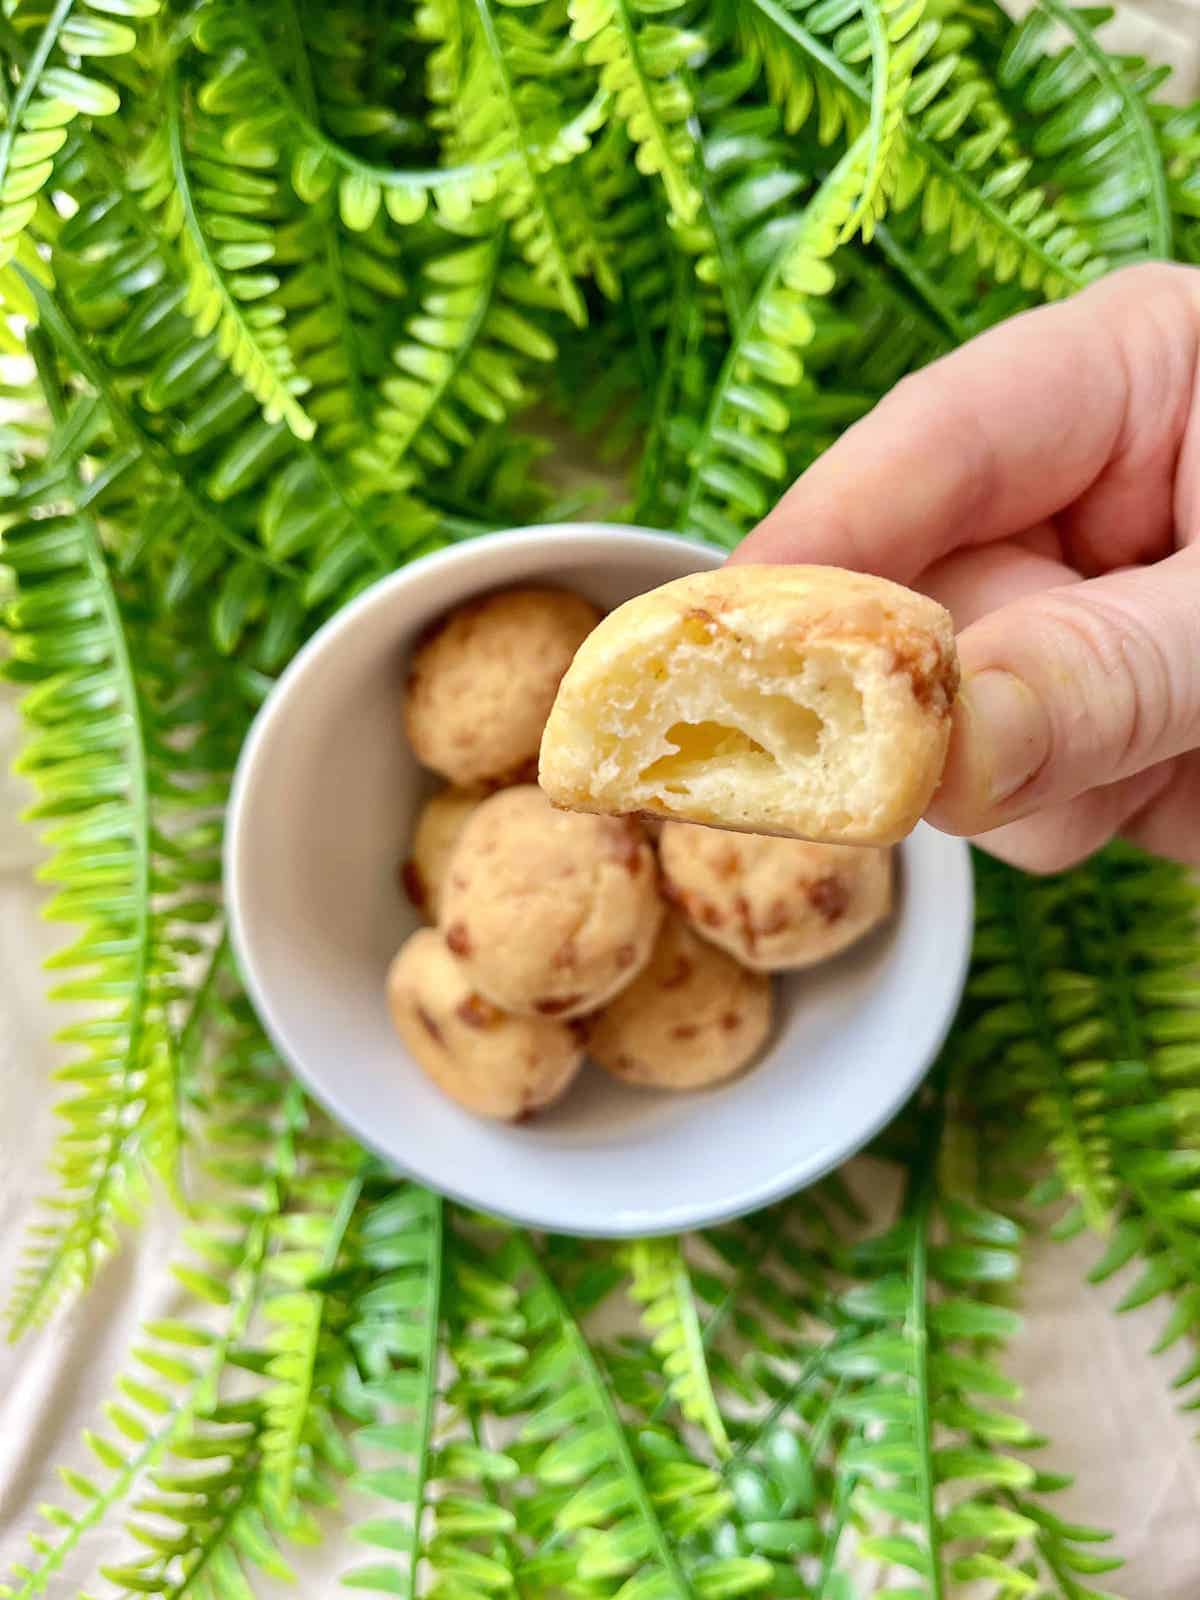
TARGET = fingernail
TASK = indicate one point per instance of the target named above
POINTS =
(1008, 733)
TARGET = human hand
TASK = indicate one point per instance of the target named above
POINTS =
(1043, 483)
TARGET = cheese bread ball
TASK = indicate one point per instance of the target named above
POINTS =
(691, 1018)
(551, 912)
(493, 1064)
(775, 904)
(480, 687)
(806, 702)
(439, 824)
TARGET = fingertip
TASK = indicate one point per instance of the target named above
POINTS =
(1000, 739)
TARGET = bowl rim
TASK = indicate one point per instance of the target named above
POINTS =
(639, 1224)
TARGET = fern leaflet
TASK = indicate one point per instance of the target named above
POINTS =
(640, 67)
(230, 288)
(663, 1288)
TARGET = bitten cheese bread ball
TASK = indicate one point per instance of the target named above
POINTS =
(439, 824)
(551, 912)
(494, 1064)
(691, 1018)
(806, 702)
(481, 685)
(774, 904)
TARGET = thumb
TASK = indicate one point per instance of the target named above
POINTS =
(1070, 689)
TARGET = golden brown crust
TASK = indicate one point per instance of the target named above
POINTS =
(692, 1018)
(439, 824)
(774, 904)
(482, 680)
(493, 1064)
(552, 912)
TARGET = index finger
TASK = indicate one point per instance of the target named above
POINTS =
(1081, 404)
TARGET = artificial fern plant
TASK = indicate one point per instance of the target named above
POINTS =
(291, 293)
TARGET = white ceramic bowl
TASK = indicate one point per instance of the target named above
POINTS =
(322, 806)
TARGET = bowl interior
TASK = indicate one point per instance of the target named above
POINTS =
(323, 806)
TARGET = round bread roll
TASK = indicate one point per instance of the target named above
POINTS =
(806, 702)
(775, 904)
(439, 824)
(551, 912)
(493, 1064)
(691, 1018)
(481, 685)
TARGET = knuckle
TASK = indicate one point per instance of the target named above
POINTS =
(1150, 280)
(1118, 693)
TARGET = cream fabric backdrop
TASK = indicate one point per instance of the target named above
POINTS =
(1090, 1385)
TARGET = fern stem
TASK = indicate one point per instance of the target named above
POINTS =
(725, 376)
(52, 317)
(1134, 119)
(567, 288)
(302, 111)
(1013, 895)
(294, 413)
(843, 1494)
(764, 1244)
(735, 293)
(923, 148)
(812, 47)
(300, 1382)
(675, 179)
(29, 82)
(188, 1037)
(199, 1399)
(923, 286)
(813, 1363)
(329, 232)
(602, 1395)
(429, 1371)
(73, 1253)
(881, 58)
(456, 359)
(917, 1332)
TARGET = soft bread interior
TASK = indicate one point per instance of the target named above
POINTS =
(709, 723)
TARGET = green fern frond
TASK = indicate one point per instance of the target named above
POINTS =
(662, 1287)
(810, 52)
(464, 360)
(639, 66)
(892, 41)
(930, 1452)
(1091, 130)
(1151, 1001)
(611, 1511)
(298, 1339)
(503, 115)
(201, 533)
(99, 772)
(232, 1482)
(180, 1363)
(218, 224)
(339, 284)
(51, 91)
(1044, 1028)
(750, 182)
(396, 1335)
(736, 453)
(249, 77)
(1177, 129)
(976, 196)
